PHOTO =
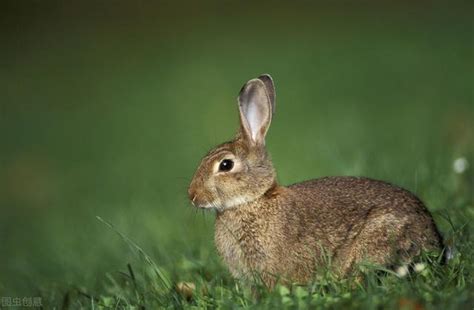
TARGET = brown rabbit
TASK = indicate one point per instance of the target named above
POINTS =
(286, 232)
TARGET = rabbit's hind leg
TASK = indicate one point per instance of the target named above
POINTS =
(375, 244)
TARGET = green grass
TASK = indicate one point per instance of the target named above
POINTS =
(437, 285)
(107, 111)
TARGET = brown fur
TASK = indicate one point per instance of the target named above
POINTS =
(278, 232)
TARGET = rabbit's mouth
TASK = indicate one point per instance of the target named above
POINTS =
(204, 205)
(207, 206)
(221, 205)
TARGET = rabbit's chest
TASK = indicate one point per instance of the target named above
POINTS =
(242, 246)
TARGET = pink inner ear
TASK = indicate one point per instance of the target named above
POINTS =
(254, 118)
(255, 108)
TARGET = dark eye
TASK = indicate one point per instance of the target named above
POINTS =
(226, 165)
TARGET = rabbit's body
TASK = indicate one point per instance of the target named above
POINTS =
(291, 230)
(276, 232)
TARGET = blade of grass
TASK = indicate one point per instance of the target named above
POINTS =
(161, 276)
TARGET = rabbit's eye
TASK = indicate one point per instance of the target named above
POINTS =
(226, 165)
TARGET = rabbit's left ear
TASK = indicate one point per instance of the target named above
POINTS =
(255, 106)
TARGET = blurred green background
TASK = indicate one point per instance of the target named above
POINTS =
(107, 107)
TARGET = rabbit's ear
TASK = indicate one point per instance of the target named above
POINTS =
(255, 110)
(270, 88)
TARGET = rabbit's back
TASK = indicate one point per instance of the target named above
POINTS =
(352, 200)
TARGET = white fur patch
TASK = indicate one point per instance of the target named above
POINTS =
(237, 201)
(218, 205)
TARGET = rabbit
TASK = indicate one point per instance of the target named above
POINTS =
(285, 233)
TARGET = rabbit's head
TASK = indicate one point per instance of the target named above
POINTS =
(239, 171)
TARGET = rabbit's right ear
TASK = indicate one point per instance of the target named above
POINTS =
(255, 109)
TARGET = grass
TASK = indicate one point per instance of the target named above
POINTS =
(108, 113)
(436, 285)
